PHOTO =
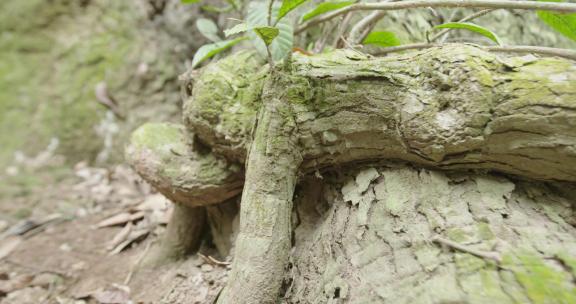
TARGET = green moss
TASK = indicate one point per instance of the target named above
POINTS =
(569, 261)
(54, 53)
(457, 235)
(227, 94)
(530, 77)
(155, 135)
(467, 263)
(484, 231)
(543, 284)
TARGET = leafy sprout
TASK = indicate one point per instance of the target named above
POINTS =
(471, 27)
(270, 31)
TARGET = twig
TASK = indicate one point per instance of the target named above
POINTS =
(105, 99)
(341, 28)
(565, 53)
(321, 43)
(494, 256)
(487, 4)
(362, 28)
(213, 261)
(468, 18)
(270, 59)
(270, 8)
(38, 270)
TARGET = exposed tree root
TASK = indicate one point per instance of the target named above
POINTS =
(454, 107)
(182, 237)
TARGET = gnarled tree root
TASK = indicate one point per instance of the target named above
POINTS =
(188, 176)
(455, 107)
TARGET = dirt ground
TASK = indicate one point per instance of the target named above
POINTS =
(81, 239)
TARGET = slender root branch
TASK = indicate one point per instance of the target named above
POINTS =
(494, 256)
(213, 261)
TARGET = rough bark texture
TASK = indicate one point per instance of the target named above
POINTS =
(451, 107)
(447, 108)
(224, 221)
(366, 237)
(186, 173)
(263, 244)
(191, 176)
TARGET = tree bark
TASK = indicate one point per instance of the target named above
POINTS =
(449, 108)
(368, 237)
(454, 108)
(264, 242)
(182, 238)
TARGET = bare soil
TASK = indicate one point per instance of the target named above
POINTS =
(55, 252)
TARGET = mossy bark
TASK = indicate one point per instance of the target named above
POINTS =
(193, 178)
(264, 241)
(456, 108)
(450, 108)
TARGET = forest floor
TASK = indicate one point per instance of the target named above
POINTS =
(81, 238)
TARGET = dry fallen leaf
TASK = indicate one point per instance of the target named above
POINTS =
(8, 245)
(119, 219)
(120, 236)
(155, 202)
(112, 294)
(16, 283)
(134, 236)
(3, 226)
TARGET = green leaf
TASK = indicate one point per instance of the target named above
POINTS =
(564, 24)
(238, 28)
(189, 1)
(471, 27)
(208, 29)
(209, 50)
(257, 17)
(216, 9)
(384, 39)
(267, 33)
(288, 6)
(324, 8)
